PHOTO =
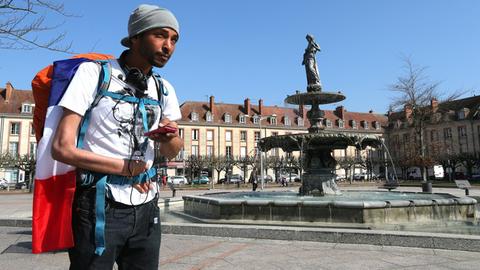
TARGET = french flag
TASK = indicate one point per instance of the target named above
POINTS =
(54, 181)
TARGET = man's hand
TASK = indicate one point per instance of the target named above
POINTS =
(165, 137)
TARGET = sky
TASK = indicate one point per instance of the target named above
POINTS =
(253, 49)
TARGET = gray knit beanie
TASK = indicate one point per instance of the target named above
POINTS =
(147, 17)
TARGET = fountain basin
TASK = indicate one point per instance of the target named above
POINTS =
(374, 207)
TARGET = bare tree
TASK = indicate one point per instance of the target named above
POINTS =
(415, 92)
(24, 25)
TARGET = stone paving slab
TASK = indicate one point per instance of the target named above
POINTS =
(190, 252)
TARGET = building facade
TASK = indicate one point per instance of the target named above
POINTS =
(17, 136)
(449, 132)
(219, 129)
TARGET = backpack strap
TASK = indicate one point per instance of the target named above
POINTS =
(103, 84)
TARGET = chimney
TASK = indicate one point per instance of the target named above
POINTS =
(8, 92)
(212, 105)
(246, 106)
(340, 112)
(408, 111)
(260, 106)
(434, 105)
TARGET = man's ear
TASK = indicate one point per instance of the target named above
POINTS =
(134, 40)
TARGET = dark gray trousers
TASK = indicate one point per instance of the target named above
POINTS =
(132, 234)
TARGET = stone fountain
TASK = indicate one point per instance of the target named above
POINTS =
(317, 146)
(319, 199)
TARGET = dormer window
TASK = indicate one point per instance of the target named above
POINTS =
(256, 119)
(273, 120)
(365, 125)
(209, 116)
(300, 121)
(376, 124)
(340, 123)
(461, 114)
(398, 124)
(228, 118)
(27, 108)
(287, 121)
(194, 117)
(354, 124)
(328, 123)
(241, 119)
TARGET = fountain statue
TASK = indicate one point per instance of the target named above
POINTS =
(316, 147)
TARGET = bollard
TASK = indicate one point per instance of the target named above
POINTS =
(427, 187)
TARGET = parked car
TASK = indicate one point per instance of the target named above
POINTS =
(201, 180)
(3, 184)
(266, 178)
(21, 185)
(177, 180)
(234, 178)
(291, 177)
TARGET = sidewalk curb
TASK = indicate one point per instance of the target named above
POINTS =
(344, 236)
(328, 235)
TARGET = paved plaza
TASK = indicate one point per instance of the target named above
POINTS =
(184, 246)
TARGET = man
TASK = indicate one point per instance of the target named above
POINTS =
(114, 146)
(254, 179)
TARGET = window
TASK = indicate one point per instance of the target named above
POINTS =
(209, 117)
(354, 124)
(27, 108)
(447, 133)
(461, 114)
(209, 135)
(241, 119)
(365, 125)
(209, 150)
(194, 116)
(376, 124)
(228, 151)
(340, 123)
(256, 119)
(433, 135)
(328, 123)
(228, 136)
(256, 135)
(243, 135)
(273, 120)
(195, 134)
(228, 118)
(32, 130)
(275, 152)
(180, 155)
(14, 128)
(287, 121)
(180, 133)
(243, 151)
(13, 149)
(194, 150)
(300, 121)
(33, 149)
(462, 132)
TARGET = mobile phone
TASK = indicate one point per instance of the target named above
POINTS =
(161, 130)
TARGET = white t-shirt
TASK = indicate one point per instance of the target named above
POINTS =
(113, 130)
